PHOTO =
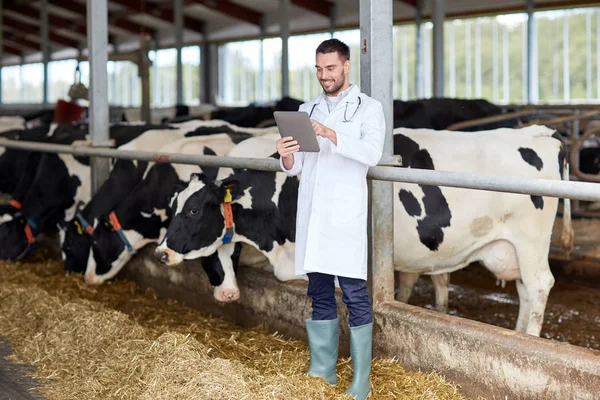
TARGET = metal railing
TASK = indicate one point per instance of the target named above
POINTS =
(538, 187)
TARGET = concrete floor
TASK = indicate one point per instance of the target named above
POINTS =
(14, 381)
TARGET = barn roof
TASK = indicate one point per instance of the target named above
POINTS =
(219, 20)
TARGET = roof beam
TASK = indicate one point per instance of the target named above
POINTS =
(22, 42)
(232, 9)
(80, 9)
(323, 7)
(34, 30)
(34, 14)
(12, 50)
(165, 15)
(412, 3)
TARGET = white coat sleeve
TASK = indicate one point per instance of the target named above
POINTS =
(297, 167)
(367, 149)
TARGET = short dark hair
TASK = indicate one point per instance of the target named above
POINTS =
(335, 45)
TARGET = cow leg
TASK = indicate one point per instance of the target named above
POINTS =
(524, 307)
(440, 285)
(283, 262)
(406, 282)
(537, 280)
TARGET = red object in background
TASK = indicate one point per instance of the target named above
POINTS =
(67, 111)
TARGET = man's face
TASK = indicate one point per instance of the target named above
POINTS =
(332, 72)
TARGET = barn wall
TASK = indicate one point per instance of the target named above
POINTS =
(485, 360)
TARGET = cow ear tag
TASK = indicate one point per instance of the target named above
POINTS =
(228, 216)
(228, 198)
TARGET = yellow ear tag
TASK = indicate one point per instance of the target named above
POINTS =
(228, 198)
(79, 229)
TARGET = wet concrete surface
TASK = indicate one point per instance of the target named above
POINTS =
(572, 312)
(15, 382)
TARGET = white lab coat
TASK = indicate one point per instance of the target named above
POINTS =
(331, 221)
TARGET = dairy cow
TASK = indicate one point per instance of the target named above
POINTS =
(142, 216)
(263, 209)
(75, 238)
(49, 189)
(437, 230)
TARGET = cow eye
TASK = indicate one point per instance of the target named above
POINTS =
(193, 211)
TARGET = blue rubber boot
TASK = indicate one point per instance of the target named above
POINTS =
(361, 351)
(323, 344)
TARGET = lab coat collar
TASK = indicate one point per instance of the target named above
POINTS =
(351, 98)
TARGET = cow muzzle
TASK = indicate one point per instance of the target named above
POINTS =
(227, 295)
(167, 257)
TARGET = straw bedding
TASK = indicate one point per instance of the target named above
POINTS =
(119, 342)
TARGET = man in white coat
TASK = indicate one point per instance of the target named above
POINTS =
(331, 223)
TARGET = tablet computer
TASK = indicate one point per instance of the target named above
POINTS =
(297, 125)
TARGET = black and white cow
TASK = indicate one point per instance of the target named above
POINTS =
(14, 163)
(143, 214)
(263, 207)
(76, 240)
(437, 230)
(48, 191)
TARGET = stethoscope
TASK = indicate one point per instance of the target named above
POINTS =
(345, 111)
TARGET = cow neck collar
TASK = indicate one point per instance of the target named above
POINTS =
(114, 222)
(228, 214)
(29, 227)
(85, 225)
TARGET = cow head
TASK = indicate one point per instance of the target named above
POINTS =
(17, 233)
(76, 240)
(113, 245)
(142, 217)
(198, 225)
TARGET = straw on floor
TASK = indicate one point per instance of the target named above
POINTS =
(119, 342)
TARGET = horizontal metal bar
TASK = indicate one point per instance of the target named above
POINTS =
(488, 120)
(205, 161)
(538, 187)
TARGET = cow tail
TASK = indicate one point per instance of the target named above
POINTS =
(567, 235)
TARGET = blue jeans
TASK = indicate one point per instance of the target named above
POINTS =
(321, 289)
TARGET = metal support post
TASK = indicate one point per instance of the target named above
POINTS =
(45, 47)
(144, 74)
(286, 9)
(532, 89)
(478, 85)
(588, 55)
(376, 81)
(419, 49)
(332, 19)
(468, 61)
(452, 60)
(204, 69)
(598, 53)
(97, 39)
(213, 65)
(566, 60)
(155, 74)
(505, 65)
(495, 95)
(1, 46)
(439, 14)
(404, 62)
(178, 14)
(261, 61)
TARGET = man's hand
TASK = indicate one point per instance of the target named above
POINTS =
(286, 147)
(323, 131)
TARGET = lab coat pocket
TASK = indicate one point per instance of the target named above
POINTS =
(350, 129)
(348, 209)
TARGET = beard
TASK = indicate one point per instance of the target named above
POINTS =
(337, 85)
